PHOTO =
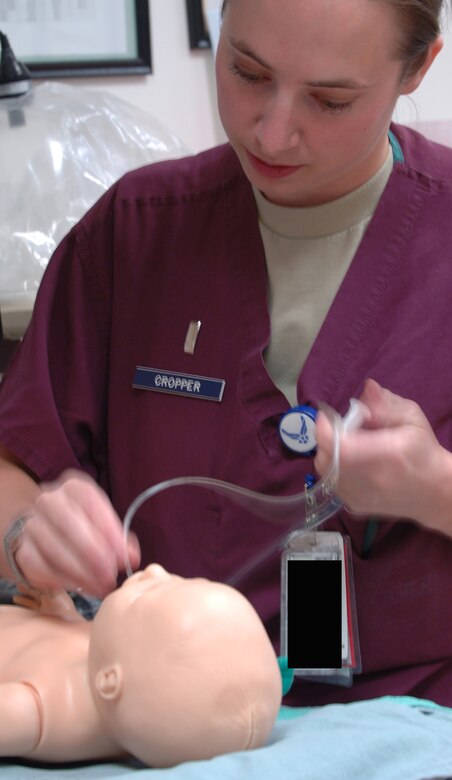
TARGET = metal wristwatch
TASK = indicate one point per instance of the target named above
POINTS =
(11, 544)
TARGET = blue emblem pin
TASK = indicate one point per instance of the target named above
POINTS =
(297, 429)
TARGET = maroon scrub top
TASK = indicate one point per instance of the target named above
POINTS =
(179, 241)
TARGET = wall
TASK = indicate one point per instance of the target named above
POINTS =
(181, 90)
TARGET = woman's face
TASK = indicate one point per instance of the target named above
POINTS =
(306, 92)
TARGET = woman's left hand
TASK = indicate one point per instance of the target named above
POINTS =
(392, 466)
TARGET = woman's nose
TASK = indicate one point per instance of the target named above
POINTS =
(277, 129)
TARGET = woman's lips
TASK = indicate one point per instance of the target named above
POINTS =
(271, 171)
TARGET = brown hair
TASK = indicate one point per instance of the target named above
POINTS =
(420, 23)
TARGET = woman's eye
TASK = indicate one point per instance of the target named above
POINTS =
(333, 106)
(246, 75)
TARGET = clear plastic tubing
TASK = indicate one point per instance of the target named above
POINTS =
(301, 511)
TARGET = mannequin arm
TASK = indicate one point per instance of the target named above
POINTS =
(20, 729)
(58, 604)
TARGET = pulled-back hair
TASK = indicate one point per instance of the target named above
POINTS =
(419, 26)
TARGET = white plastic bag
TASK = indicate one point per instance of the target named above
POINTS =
(61, 147)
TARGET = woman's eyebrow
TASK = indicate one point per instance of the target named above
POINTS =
(243, 49)
(345, 83)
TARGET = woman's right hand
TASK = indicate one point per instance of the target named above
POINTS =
(73, 538)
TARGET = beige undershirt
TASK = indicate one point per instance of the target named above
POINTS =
(308, 252)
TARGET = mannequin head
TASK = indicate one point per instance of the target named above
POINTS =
(182, 669)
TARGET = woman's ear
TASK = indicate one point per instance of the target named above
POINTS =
(108, 682)
(411, 83)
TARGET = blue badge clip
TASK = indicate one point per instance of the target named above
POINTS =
(297, 430)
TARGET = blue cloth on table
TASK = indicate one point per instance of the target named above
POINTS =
(389, 738)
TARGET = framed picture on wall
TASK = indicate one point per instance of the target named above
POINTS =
(79, 37)
(198, 34)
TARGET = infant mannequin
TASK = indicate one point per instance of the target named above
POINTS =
(169, 670)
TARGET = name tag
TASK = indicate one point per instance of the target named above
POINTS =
(178, 384)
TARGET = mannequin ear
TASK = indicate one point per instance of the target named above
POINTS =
(109, 682)
(412, 82)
